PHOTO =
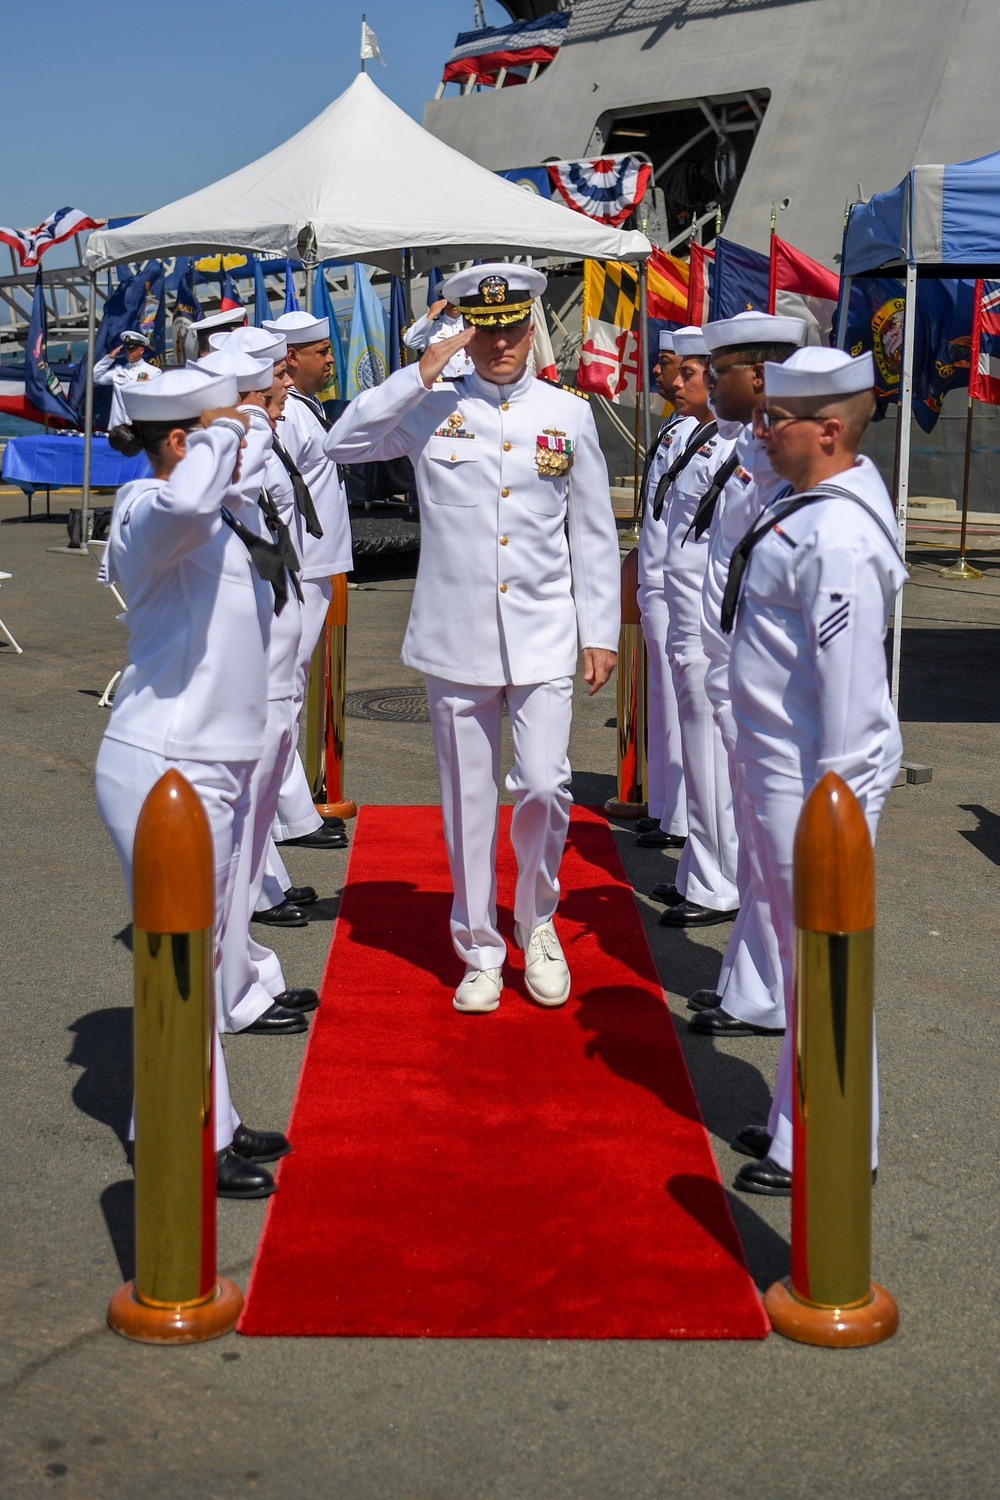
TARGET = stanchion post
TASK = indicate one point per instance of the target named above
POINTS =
(176, 1297)
(631, 799)
(830, 1298)
(326, 709)
(962, 568)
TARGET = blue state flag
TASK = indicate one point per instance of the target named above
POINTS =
(127, 307)
(291, 301)
(739, 282)
(261, 304)
(323, 308)
(397, 322)
(366, 350)
(435, 281)
(41, 385)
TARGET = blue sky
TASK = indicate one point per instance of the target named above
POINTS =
(116, 108)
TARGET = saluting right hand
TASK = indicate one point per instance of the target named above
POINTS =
(436, 356)
(208, 417)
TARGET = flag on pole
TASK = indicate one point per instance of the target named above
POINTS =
(230, 298)
(801, 288)
(609, 356)
(366, 351)
(984, 384)
(31, 244)
(699, 284)
(740, 280)
(41, 386)
(606, 189)
(667, 287)
(291, 301)
(261, 302)
(187, 310)
(542, 356)
(369, 44)
(397, 322)
(323, 308)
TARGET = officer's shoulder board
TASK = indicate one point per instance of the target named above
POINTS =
(557, 385)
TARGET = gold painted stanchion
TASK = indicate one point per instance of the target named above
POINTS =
(962, 568)
(631, 799)
(326, 696)
(830, 1298)
(176, 1297)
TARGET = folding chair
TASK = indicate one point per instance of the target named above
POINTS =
(3, 627)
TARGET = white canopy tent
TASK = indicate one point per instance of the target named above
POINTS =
(361, 182)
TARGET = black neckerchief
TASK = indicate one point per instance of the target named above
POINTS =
(313, 405)
(653, 450)
(710, 499)
(781, 507)
(282, 539)
(701, 435)
(266, 558)
(303, 496)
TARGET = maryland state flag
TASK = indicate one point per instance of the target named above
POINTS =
(609, 356)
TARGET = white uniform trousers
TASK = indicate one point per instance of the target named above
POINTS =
(296, 813)
(251, 973)
(664, 767)
(706, 873)
(465, 721)
(276, 878)
(750, 985)
(776, 802)
(125, 777)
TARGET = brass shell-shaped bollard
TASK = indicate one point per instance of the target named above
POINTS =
(631, 799)
(326, 709)
(830, 1298)
(176, 1297)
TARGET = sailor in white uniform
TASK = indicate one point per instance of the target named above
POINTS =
(706, 874)
(666, 826)
(325, 549)
(219, 323)
(748, 998)
(442, 320)
(808, 678)
(194, 693)
(135, 371)
(518, 563)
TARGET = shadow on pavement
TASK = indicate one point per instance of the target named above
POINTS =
(102, 1047)
(949, 676)
(985, 838)
(118, 1207)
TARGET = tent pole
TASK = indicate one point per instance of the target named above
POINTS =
(309, 287)
(88, 410)
(962, 568)
(903, 487)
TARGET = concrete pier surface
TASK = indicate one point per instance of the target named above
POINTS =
(84, 1413)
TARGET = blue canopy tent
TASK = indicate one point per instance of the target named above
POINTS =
(940, 221)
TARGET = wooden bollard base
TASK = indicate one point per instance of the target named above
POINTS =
(831, 1327)
(179, 1322)
(336, 809)
(616, 808)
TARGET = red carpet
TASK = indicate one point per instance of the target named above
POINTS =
(524, 1174)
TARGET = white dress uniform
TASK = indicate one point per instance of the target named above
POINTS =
(664, 766)
(427, 330)
(706, 873)
(106, 372)
(302, 431)
(193, 694)
(810, 691)
(516, 565)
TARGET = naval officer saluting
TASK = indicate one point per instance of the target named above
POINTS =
(518, 559)
(134, 371)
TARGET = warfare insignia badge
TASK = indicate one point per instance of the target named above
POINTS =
(553, 452)
(453, 428)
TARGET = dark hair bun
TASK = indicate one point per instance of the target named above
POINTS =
(124, 439)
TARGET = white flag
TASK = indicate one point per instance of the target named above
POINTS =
(369, 44)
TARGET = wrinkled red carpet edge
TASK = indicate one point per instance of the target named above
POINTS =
(702, 1289)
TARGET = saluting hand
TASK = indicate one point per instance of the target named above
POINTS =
(436, 356)
(598, 666)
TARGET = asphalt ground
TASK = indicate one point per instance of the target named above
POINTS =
(85, 1413)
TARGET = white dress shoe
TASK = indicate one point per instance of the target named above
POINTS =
(479, 990)
(546, 972)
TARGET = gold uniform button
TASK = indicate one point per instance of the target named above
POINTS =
(503, 588)
(505, 493)
(454, 458)
(503, 541)
(505, 406)
(506, 447)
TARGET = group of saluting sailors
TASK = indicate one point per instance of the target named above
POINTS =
(768, 565)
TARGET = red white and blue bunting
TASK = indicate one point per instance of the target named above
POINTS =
(481, 54)
(607, 189)
(31, 244)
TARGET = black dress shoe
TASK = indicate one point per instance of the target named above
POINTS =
(718, 1022)
(704, 1000)
(299, 1000)
(690, 914)
(301, 895)
(764, 1177)
(646, 825)
(260, 1145)
(236, 1178)
(667, 894)
(323, 837)
(753, 1140)
(277, 1021)
(657, 839)
(286, 914)
(332, 822)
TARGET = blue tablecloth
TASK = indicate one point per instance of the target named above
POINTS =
(47, 462)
